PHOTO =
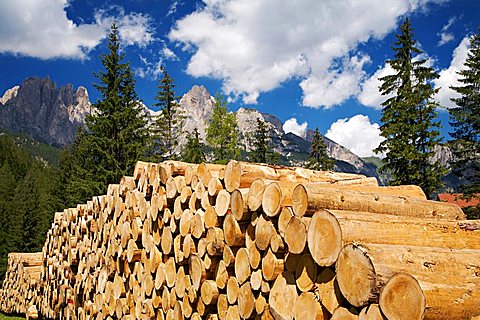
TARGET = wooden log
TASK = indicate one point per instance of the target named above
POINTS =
(246, 301)
(397, 296)
(342, 313)
(296, 234)
(447, 294)
(232, 290)
(234, 236)
(327, 289)
(264, 230)
(324, 238)
(198, 272)
(242, 174)
(283, 219)
(371, 312)
(310, 198)
(209, 292)
(239, 205)
(214, 186)
(222, 203)
(306, 273)
(364, 227)
(242, 266)
(272, 266)
(283, 296)
(255, 194)
(307, 307)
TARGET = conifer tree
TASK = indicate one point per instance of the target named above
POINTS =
(168, 125)
(222, 132)
(262, 151)
(193, 150)
(115, 136)
(466, 122)
(318, 158)
(409, 120)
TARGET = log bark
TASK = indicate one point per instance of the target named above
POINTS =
(364, 227)
(309, 198)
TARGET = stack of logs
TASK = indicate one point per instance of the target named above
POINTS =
(21, 283)
(244, 240)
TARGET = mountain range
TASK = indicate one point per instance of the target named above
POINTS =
(52, 115)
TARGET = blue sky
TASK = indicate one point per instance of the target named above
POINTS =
(312, 63)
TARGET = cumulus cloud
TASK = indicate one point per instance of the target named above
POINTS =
(357, 134)
(41, 28)
(449, 77)
(370, 95)
(259, 44)
(445, 36)
(292, 125)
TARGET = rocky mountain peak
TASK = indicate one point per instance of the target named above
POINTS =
(9, 94)
(47, 113)
(197, 106)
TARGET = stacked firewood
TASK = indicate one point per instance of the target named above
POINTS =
(245, 240)
(19, 287)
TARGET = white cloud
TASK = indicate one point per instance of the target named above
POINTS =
(256, 45)
(449, 77)
(292, 125)
(370, 95)
(444, 35)
(41, 28)
(357, 134)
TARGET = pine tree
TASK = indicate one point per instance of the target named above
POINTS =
(262, 151)
(115, 136)
(193, 150)
(466, 123)
(409, 117)
(318, 158)
(222, 132)
(168, 125)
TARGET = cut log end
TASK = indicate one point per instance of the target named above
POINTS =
(355, 275)
(324, 238)
(299, 200)
(307, 307)
(255, 194)
(233, 172)
(402, 298)
(272, 199)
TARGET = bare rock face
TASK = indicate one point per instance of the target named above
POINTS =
(37, 108)
(197, 106)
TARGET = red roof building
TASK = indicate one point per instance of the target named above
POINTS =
(457, 199)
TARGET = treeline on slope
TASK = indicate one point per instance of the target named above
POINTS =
(28, 189)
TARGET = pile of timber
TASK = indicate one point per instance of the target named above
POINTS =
(20, 285)
(241, 241)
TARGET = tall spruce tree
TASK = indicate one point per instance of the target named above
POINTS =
(466, 123)
(222, 132)
(193, 150)
(262, 150)
(409, 121)
(318, 158)
(168, 125)
(115, 136)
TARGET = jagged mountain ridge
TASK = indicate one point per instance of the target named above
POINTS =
(41, 110)
(52, 115)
